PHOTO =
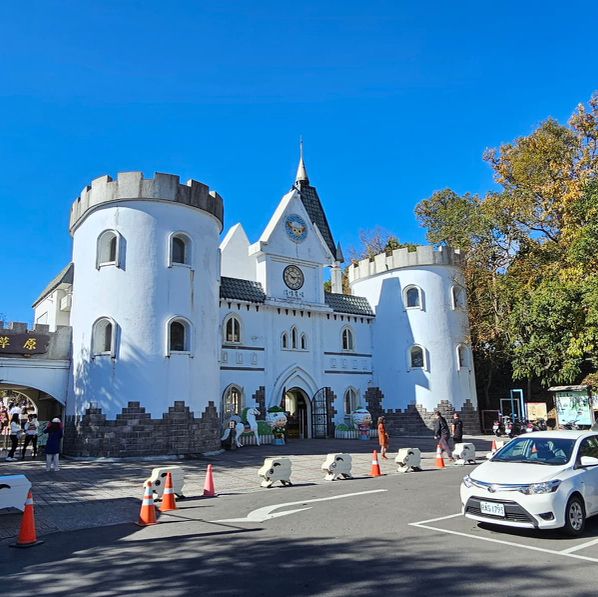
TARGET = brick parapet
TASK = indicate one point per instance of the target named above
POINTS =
(132, 186)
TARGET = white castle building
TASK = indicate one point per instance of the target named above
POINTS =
(173, 329)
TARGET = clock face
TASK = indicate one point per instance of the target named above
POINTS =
(293, 277)
(296, 228)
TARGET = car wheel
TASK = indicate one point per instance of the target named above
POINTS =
(575, 517)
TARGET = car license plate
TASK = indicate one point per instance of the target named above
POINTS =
(492, 508)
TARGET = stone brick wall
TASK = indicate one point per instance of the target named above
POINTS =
(416, 420)
(260, 399)
(135, 433)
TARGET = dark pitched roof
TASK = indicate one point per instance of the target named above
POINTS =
(242, 290)
(346, 303)
(315, 211)
(64, 277)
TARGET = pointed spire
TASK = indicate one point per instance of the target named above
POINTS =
(301, 171)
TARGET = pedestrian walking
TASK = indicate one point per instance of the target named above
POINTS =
(15, 431)
(442, 433)
(457, 429)
(54, 431)
(382, 437)
(31, 429)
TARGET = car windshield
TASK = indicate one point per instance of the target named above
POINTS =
(536, 450)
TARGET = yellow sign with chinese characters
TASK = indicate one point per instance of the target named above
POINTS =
(23, 344)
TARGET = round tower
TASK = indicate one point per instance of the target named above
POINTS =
(422, 349)
(145, 297)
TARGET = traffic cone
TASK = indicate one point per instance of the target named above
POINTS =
(147, 516)
(168, 501)
(375, 472)
(27, 535)
(208, 489)
(493, 448)
(439, 458)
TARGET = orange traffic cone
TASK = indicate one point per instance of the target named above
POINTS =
(208, 489)
(375, 472)
(168, 501)
(147, 516)
(493, 448)
(439, 458)
(27, 535)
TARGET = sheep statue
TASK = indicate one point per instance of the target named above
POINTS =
(337, 466)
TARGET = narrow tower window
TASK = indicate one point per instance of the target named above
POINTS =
(232, 330)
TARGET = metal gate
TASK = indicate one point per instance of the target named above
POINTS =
(320, 423)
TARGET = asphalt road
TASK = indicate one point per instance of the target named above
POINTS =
(359, 544)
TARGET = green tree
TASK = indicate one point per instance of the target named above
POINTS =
(531, 252)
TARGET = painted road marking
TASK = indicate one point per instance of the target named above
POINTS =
(265, 513)
(582, 546)
(436, 519)
(567, 553)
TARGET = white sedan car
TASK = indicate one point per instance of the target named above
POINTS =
(542, 480)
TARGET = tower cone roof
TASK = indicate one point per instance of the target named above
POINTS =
(301, 170)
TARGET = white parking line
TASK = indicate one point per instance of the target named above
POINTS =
(578, 547)
(566, 553)
(436, 519)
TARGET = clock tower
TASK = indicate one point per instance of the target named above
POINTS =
(296, 246)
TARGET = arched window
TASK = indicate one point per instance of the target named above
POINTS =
(294, 337)
(232, 402)
(417, 358)
(458, 297)
(347, 339)
(103, 337)
(413, 297)
(179, 335)
(180, 249)
(232, 330)
(303, 342)
(108, 248)
(462, 360)
(284, 340)
(351, 401)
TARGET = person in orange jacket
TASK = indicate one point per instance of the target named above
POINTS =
(382, 438)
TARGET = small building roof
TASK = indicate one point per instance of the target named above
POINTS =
(242, 290)
(347, 303)
(568, 388)
(64, 277)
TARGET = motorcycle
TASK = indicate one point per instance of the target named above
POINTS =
(498, 428)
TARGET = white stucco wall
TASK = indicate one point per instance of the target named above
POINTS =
(437, 327)
(141, 296)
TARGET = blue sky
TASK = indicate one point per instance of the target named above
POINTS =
(394, 99)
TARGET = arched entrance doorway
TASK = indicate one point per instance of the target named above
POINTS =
(298, 407)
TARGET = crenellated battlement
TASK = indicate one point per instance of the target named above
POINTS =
(423, 255)
(133, 186)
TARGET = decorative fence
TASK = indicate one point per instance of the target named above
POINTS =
(352, 433)
(248, 439)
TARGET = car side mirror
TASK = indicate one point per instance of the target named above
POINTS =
(589, 461)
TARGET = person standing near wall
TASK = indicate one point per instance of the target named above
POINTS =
(54, 431)
(31, 428)
(442, 433)
(382, 437)
(457, 429)
(15, 429)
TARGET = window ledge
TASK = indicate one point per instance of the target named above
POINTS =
(182, 353)
(107, 264)
(176, 264)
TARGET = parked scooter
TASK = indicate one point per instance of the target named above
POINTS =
(498, 428)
